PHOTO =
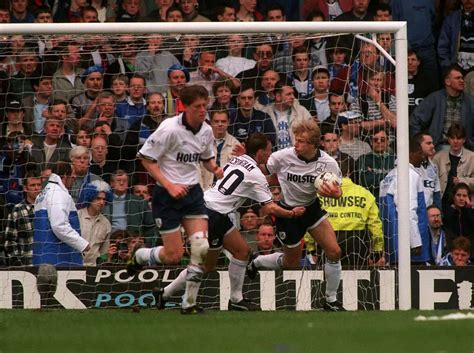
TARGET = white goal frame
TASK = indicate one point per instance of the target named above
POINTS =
(398, 28)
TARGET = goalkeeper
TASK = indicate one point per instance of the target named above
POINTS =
(354, 216)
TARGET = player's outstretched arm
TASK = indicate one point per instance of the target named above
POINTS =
(275, 210)
(212, 167)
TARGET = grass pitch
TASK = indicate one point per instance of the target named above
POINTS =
(114, 331)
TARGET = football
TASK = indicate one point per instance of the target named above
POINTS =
(325, 177)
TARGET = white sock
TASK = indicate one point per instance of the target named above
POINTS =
(193, 282)
(270, 262)
(332, 272)
(148, 256)
(236, 276)
(178, 284)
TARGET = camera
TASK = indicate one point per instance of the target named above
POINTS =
(122, 246)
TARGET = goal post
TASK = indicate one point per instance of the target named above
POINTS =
(330, 28)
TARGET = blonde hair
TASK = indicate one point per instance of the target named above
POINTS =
(309, 126)
(78, 151)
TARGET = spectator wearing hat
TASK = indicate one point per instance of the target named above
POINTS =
(85, 104)
(95, 227)
(14, 118)
(283, 112)
(153, 62)
(21, 83)
(249, 221)
(67, 81)
(178, 77)
(317, 102)
(349, 124)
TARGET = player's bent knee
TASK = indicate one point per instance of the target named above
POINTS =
(242, 254)
(174, 258)
(291, 264)
(199, 247)
(333, 254)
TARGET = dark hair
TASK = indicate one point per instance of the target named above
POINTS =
(256, 142)
(456, 130)
(141, 77)
(300, 50)
(461, 243)
(32, 173)
(413, 52)
(382, 7)
(379, 128)
(461, 186)
(173, 8)
(190, 94)
(418, 137)
(222, 83)
(88, 8)
(282, 83)
(431, 207)
(41, 9)
(57, 101)
(315, 13)
(221, 8)
(274, 7)
(62, 168)
(333, 94)
(448, 69)
(414, 146)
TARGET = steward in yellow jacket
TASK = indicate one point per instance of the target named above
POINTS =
(356, 221)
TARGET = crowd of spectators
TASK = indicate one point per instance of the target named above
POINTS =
(92, 101)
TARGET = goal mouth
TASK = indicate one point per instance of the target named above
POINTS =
(117, 52)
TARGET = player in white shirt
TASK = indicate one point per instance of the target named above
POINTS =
(242, 180)
(172, 156)
(296, 168)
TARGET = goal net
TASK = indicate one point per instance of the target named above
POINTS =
(110, 91)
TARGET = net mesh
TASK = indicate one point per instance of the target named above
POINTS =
(65, 76)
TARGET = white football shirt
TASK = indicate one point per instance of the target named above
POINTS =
(178, 150)
(242, 180)
(296, 176)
